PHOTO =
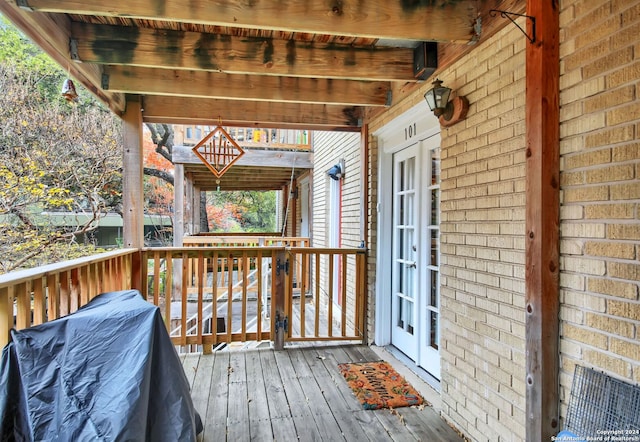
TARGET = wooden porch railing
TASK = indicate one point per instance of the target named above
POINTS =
(31, 297)
(238, 294)
(207, 295)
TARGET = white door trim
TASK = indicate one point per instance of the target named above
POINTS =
(413, 126)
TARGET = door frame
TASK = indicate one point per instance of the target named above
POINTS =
(412, 126)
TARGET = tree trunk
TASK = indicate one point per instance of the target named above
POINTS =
(204, 220)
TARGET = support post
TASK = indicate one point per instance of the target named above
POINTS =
(196, 210)
(132, 176)
(542, 223)
(188, 204)
(178, 205)
(178, 230)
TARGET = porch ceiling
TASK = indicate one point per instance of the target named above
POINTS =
(294, 64)
(257, 169)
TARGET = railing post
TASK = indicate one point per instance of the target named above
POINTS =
(6, 314)
(277, 297)
(137, 272)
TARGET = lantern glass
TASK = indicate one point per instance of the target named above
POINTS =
(438, 96)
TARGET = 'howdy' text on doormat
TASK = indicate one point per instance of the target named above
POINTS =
(378, 385)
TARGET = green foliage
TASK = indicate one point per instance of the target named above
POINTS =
(53, 157)
(248, 211)
(29, 64)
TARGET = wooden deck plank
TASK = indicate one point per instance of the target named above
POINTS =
(368, 421)
(338, 386)
(281, 420)
(427, 425)
(371, 425)
(394, 426)
(215, 422)
(298, 394)
(259, 421)
(190, 366)
(238, 407)
(283, 429)
(277, 399)
(320, 408)
(202, 382)
(303, 418)
(343, 403)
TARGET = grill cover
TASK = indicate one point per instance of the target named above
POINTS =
(107, 372)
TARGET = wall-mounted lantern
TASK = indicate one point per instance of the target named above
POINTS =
(448, 112)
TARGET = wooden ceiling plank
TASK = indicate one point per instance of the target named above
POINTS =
(149, 81)
(179, 110)
(396, 19)
(121, 45)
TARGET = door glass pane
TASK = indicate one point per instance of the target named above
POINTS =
(410, 270)
(435, 168)
(435, 206)
(434, 247)
(411, 173)
(401, 177)
(409, 317)
(433, 337)
(433, 279)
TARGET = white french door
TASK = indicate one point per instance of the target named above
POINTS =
(415, 279)
(429, 358)
(404, 272)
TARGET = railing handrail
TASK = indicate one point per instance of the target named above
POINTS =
(21, 276)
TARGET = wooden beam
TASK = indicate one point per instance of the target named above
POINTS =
(120, 45)
(150, 81)
(252, 157)
(449, 53)
(243, 177)
(52, 33)
(542, 222)
(132, 176)
(404, 20)
(178, 110)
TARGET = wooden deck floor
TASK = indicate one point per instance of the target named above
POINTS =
(297, 394)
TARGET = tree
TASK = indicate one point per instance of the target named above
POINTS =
(251, 211)
(248, 211)
(53, 158)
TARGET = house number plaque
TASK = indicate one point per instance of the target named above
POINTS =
(410, 131)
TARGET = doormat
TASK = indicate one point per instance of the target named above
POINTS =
(378, 385)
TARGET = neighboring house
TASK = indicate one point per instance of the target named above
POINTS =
(108, 231)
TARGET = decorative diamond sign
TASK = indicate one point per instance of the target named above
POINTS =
(218, 151)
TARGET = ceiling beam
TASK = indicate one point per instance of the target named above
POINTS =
(387, 19)
(149, 81)
(252, 157)
(181, 110)
(242, 178)
(120, 45)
